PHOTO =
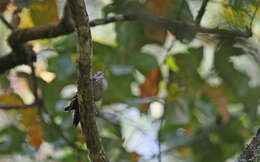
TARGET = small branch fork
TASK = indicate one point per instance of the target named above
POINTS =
(201, 12)
(20, 36)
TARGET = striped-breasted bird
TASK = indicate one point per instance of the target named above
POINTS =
(98, 89)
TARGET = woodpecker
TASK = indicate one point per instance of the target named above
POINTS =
(98, 90)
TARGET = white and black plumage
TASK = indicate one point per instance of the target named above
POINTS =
(98, 89)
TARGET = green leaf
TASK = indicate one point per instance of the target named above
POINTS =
(188, 76)
(130, 36)
(180, 10)
(143, 62)
(118, 89)
(50, 133)
(12, 140)
(51, 91)
(65, 44)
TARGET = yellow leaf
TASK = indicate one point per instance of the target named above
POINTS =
(172, 64)
(80, 136)
(10, 99)
(174, 92)
(185, 151)
(44, 12)
(25, 19)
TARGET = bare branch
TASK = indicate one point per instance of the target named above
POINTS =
(201, 12)
(111, 19)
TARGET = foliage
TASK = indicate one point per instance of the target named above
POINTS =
(199, 85)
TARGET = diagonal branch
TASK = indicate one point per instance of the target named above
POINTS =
(251, 152)
(7, 24)
(201, 12)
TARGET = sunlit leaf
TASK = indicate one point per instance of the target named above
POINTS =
(26, 19)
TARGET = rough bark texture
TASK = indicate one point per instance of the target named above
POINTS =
(85, 87)
(252, 152)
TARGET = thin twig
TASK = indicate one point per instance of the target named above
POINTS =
(201, 12)
(34, 81)
(253, 17)
(159, 140)
(7, 24)
(110, 19)
(11, 107)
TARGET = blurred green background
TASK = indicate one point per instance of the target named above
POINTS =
(177, 96)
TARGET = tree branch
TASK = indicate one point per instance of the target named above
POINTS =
(251, 152)
(11, 107)
(19, 36)
(85, 87)
(201, 12)
(7, 24)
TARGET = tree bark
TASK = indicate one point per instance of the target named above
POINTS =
(85, 87)
(252, 152)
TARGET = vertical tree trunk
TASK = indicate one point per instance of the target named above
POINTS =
(85, 87)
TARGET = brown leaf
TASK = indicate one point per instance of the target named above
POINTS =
(135, 156)
(10, 99)
(160, 8)
(32, 124)
(217, 95)
(16, 18)
(35, 135)
(155, 32)
(150, 87)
